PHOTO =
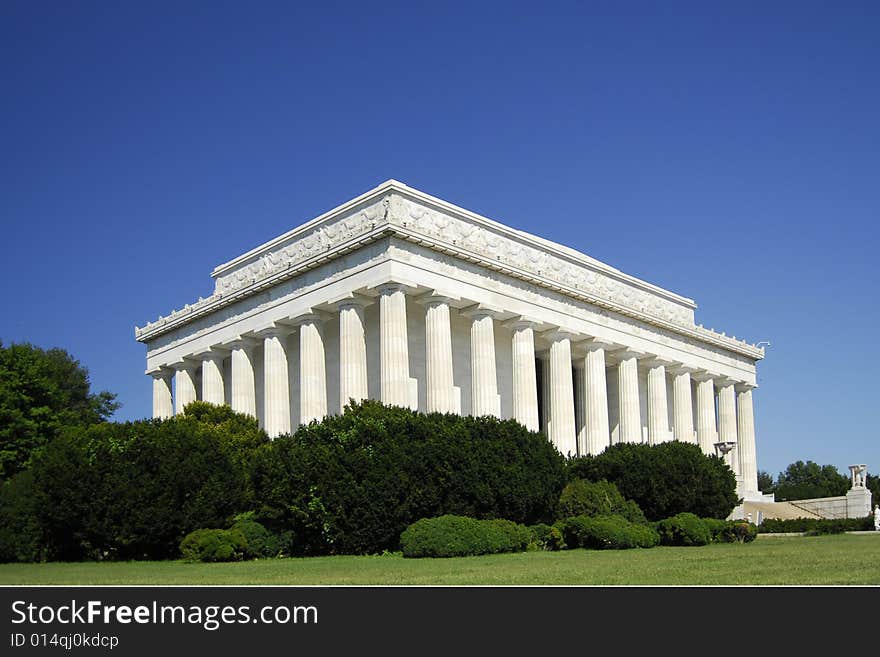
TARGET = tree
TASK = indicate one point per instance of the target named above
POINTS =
(41, 392)
(665, 479)
(134, 490)
(802, 481)
(765, 482)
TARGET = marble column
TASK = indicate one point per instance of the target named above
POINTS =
(597, 436)
(184, 387)
(352, 353)
(312, 370)
(562, 423)
(484, 383)
(244, 396)
(727, 419)
(706, 431)
(276, 383)
(163, 406)
(544, 364)
(682, 405)
(658, 408)
(525, 381)
(213, 390)
(393, 348)
(439, 386)
(745, 422)
(628, 391)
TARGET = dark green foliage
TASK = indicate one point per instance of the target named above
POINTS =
(803, 481)
(213, 545)
(259, 542)
(600, 498)
(606, 533)
(816, 526)
(872, 483)
(458, 536)
(134, 490)
(545, 537)
(765, 482)
(665, 479)
(19, 531)
(42, 392)
(683, 529)
(352, 483)
(738, 531)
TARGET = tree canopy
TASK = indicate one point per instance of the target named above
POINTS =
(802, 481)
(41, 392)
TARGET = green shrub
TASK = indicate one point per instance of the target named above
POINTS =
(133, 490)
(665, 479)
(816, 526)
(259, 541)
(458, 536)
(606, 533)
(19, 531)
(601, 498)
(213, 545)
(684, 529)
(545, 537)
(742, 531)
(353, 482)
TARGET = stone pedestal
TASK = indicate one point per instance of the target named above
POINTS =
(858, 503)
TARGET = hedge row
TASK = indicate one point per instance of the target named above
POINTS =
(606, 532)
(816, 526)
(246, 539)
(687, 529)
(458, 536)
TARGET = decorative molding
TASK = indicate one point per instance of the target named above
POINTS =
(395, 209)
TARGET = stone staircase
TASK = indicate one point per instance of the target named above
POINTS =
(778, 510)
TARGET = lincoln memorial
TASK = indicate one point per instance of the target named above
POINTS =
(402, 297)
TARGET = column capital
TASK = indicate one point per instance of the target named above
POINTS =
(523, 322)
(557, 334)
(349, 300)
(243, 342)
(704, 375)
(390, 287)
(481, 310)
(186, 363)
(680, 368)
(435, 297)
(312, 316)
(210, 354)
(595, 344)
(743, 386)
(274, 330)
(619, 355)
(724, 382)
(655, 361)
(160, 372)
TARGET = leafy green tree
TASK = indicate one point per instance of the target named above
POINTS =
(134, 490)
(41, 392)
(802, 481)
(353, 482)
(765, 482)
(873, 484)
(665, 479)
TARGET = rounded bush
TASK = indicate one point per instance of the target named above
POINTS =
(684, 529)
(459, 536)
(213, 545)
(596, 498)
(664, 479)
(610, 532)
(545, 537)
(259, 541)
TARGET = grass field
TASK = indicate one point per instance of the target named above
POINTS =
(841, 559)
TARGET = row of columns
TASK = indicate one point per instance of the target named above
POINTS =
(735, 412)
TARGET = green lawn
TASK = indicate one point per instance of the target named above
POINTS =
(840, 559)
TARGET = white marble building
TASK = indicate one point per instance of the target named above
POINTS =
(400, 296)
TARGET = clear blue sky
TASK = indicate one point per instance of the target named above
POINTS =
(727, 153)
